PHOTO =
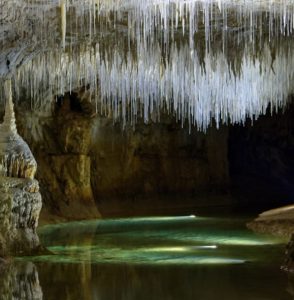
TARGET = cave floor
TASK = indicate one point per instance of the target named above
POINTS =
(183, 257)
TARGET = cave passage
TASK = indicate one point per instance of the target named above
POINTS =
(145, 108)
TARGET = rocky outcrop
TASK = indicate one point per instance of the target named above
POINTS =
(279, 222)
(20, 200)
(61, 141)
(85, 162)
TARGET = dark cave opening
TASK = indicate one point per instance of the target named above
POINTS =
(261, 160)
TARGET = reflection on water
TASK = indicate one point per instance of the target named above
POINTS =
(152, 258)
(20, 281)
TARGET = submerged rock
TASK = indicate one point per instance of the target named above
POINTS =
(20, 200)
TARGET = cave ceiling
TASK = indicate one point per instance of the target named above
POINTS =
(195, 59)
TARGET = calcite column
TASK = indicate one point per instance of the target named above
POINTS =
(20, 200)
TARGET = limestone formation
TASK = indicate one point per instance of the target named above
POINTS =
(20, 200)
(87, 163)
(187, 81)
(279, 222)
(61, 141)
(15, 156)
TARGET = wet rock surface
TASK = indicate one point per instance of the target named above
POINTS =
(277, 227)
(278, 221)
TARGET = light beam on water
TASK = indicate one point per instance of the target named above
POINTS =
(141, 241)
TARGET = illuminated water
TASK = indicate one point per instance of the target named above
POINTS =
(186, 257)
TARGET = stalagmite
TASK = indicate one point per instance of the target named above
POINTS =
(16, 159)
(20, 200)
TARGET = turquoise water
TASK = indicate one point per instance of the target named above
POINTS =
(183, 257)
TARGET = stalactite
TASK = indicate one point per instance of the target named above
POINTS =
(148, 56)
(145, 84)
(63, 21)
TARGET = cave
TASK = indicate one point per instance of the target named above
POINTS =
(146, 149)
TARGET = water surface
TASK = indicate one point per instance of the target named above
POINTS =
(183, 257)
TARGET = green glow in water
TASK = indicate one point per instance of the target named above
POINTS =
(179, 249)
(183, 240)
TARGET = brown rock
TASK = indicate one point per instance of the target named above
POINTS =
(279, 222)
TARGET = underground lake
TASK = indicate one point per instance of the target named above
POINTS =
(169, 257)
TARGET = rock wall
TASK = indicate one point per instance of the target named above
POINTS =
(158, 168)
(61, 141)
(87, 162)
